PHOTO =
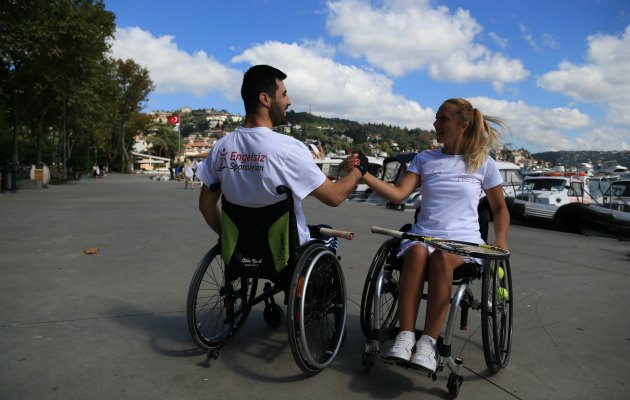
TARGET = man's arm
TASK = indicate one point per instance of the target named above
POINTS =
(208, 205)
(334, 193)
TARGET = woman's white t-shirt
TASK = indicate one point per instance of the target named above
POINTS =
(450, 195)
(251, 163)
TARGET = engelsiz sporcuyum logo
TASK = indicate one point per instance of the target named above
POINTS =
(252, 161)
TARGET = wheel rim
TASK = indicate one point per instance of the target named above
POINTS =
(388, 303)
(497, 315)
(213, 304)
(321, 300)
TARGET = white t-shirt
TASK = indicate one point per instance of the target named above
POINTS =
(251, 163)
(450, 195)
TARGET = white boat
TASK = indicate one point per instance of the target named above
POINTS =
(330, 166)
(539, 197)
(512, 178)
(611, 216)
(609, 168)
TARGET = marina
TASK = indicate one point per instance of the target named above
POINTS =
(112, 324)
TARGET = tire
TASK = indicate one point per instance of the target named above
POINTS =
(317, 309)
(214, 316)
(389, 295)
(497, 307)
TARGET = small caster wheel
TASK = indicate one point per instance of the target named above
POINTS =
(273, 315)
(213, 353)
(453, 385)
(368, 362)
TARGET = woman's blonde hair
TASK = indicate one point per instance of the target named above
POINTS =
(481, 137)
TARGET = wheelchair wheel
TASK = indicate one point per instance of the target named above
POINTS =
(497, 307)
(217, 309)
(389, 296)
(317, 309)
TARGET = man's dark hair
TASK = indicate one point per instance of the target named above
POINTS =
(258, 79)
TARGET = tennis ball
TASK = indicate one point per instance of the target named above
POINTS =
(502, 293)
(501, 273)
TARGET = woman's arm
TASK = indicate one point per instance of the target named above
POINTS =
(500, 215)
(395, 194)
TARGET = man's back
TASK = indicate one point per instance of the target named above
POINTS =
(251, 163)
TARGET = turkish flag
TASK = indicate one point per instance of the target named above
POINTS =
(173, 119)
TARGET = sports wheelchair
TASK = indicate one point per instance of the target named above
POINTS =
(379, 311)
(262, 244)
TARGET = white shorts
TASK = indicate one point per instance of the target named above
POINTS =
(407, 244)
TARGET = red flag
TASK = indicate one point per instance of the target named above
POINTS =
(173, 119)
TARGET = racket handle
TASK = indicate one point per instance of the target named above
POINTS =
(337, 233)
(388, 232)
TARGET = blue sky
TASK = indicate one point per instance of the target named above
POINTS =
(557, 71)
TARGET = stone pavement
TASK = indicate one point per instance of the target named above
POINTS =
(112, 325)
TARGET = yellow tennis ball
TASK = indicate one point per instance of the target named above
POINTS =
(501, 273)
(502, 293)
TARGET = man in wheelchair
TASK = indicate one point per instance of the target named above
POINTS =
(262, 177)
(453, 179)
(251, 162)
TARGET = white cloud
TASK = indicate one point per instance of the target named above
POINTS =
(501, 42)
(603, 79)
(174, 70)
(534, 127)
(316, 82)
(406, 35)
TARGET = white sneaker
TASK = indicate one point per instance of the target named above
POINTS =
(425, 356)
(402, 348)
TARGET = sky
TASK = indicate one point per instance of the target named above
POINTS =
(556, 71)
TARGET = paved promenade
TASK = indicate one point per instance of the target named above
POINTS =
(112, 325)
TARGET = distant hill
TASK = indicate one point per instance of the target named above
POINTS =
(569, 158)
(330, 131)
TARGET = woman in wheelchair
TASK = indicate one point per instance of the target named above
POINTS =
(452, 180)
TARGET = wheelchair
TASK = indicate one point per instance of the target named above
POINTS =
(379, 311)
(259, 244)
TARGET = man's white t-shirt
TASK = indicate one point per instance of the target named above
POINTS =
(251, 163)
(450, 195)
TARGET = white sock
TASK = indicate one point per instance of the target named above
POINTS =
(427, 338)
(408, 334)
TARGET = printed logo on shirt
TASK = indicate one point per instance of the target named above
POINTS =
(247, 161)
(222, 159)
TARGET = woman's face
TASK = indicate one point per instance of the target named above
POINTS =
(448, 128)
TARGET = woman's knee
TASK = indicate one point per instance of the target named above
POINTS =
(416, 259)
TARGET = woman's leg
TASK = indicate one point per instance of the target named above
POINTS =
(411, 286)
(441, 267)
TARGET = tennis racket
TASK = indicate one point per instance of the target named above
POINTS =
(468, 249)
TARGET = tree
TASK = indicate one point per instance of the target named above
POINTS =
(165, 141)
(49, 49)
(134, 86)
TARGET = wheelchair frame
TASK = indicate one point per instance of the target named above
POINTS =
(219, 302)
(379, 312)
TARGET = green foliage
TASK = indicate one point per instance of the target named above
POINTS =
(63, 98)
(368, 138)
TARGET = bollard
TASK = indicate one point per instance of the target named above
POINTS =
(9, 176)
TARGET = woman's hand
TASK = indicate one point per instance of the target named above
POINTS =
(350, 162)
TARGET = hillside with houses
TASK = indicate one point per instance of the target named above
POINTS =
(198, 130)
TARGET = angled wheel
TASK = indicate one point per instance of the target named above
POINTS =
(317, 309)
(273, 315)
(497, 307)
(216, 309)
(387, 276)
